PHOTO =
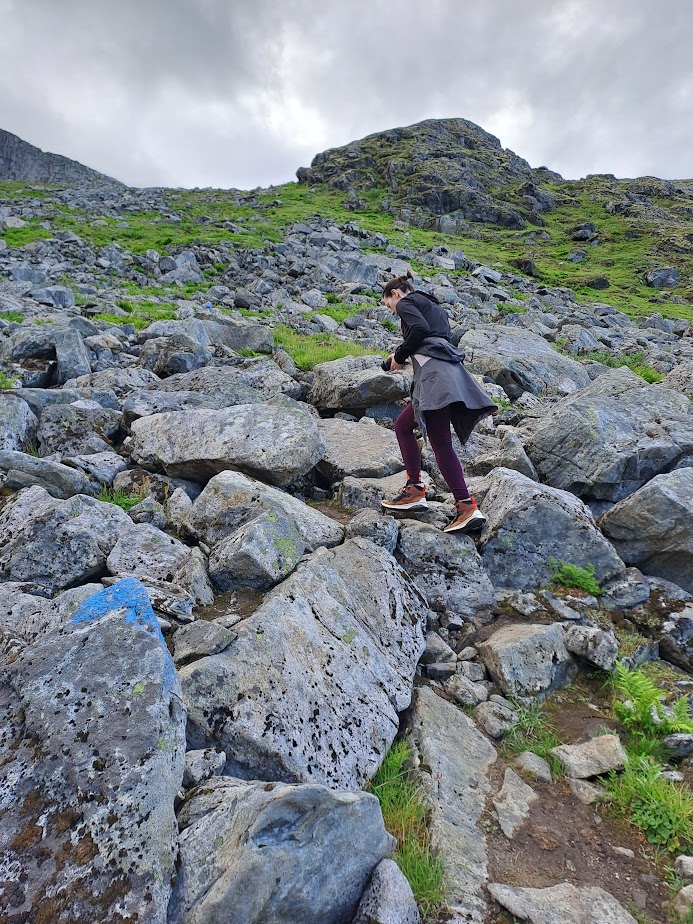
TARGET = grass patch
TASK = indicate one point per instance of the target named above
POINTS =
(7, 381)
(573, 576)
(120, 498)
(338, 311)
(634, 361)
(140, 314)
(533, 732)
(307, 350)
(11, 316)
(405, 815)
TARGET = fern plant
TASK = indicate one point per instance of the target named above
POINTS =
(641, 708)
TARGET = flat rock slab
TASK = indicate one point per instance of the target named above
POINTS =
(272, 443)
(594, 757)
(94, 741)
(561, 904)
(361, 450)
(653, 528)
(606, 441)
(516, 546)
(23, 470)
(18, 424)
(457, 759)
(276, 852)
(527, 660)
(262, 375)
(513, 803)
(358, 493)
(312, 687)
(356, 382)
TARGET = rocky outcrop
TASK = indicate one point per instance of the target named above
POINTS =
(20, 160)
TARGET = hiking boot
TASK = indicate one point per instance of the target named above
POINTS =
(467, 519)
(411, 497)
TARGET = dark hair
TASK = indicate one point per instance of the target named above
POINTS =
(403, 283)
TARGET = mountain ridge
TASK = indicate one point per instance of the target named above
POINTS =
(24, 162)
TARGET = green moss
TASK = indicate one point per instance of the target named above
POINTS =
(349, 637)
(574, 576)
(12, 316)
(634, 361)
(307, 350)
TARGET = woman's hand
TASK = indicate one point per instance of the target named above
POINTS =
(394, 365)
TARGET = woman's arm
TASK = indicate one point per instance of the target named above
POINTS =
(417, 328)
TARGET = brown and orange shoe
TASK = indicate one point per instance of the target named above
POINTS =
(411, 497)
(468, 518)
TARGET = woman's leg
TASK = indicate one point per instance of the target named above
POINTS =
(408, 446)
(440, 437)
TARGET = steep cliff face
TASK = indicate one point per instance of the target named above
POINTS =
(20, 160)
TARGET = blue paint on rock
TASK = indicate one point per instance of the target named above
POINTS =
(132, 597)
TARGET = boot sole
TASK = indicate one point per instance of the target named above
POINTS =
(474, 524)
(420, 504)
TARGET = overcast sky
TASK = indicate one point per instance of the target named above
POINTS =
(242, 92)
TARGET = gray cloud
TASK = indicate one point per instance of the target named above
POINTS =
(242, 92)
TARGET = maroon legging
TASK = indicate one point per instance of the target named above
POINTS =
(440, 438)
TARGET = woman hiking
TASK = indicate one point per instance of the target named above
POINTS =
(443, 393)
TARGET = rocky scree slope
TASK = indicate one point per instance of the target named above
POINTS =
(20, 160)
(202, 669)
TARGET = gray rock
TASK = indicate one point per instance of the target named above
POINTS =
(471, 669)
(455, 759)
(72, 429)
(121, 381)
(356, 382)
(666, 277)
(201, 765)
(495, 718)
(683, 903)
(513, 802)
(653, 528)
(269, 442)
(447, 569)
(680, 379)
(198, 640)
(174, 355)
(103, 467)
(148, 553)
(22, 470)
(18, 425)
(274, 852)
(24, 616)
(361, 450)
(38, 398)
(231, 499)
(527, 660)
(358, 493)
(679, 745)
(443, 671)
(88, 818)
(607, 440)
(437, 651)
(684, 866)
(72, 355)
(535, 766)
(312, 687)
(592, 758)
(625, 590)
(676, 639)
(598, 646)
(259, 373)
(517, 549)
(145, 403)
(239, 336)
(379, 528)
(388, 898)
(585, 792)
(57, 544)
(520, 361)
(464, 691)
(565, 903)
(259, 554)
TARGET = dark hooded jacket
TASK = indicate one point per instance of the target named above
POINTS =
(442, 381)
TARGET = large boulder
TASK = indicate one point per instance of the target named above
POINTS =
(454, 758)
(145, 403)
(527, 660)
(520, 361)
(72, 355)
(174, 355)
(273, 443)
(120, 381)
(356, 382)
(149, 554)
(23, 470)
(360, 450)
(312, 687)
(231, 499)
(18, 424)
(591, 758)
(82, 427)
(259, 373)
(57, 544)
(276, 852)
(448, 571)
(653, 528)
(239, 335)
(680, 379)
(517, 548)
(93, 745)
(611, 437)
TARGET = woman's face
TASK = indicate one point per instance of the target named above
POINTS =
(392, 299)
